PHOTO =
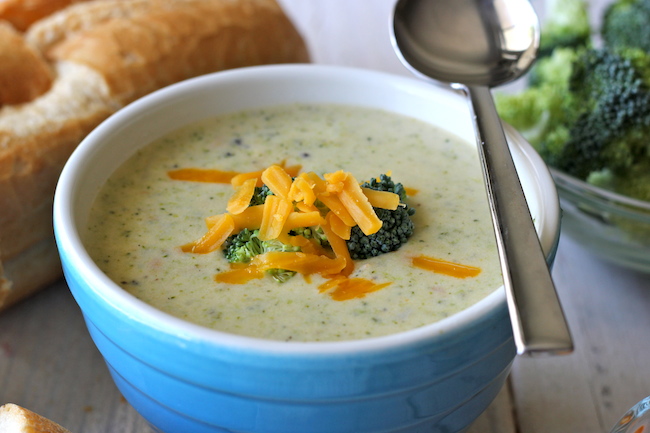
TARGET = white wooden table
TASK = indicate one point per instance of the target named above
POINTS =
(49, 364)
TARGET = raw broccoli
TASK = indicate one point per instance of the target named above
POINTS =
(396, 229)
(260, 194)
(566, 25)
(246, 244)
(595, 118)
(610, 113)
(539, 113)
(626, 23)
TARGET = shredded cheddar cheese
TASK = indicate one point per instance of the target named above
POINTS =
(275, 214)
(242, 196)
(444, 267)
(278, 180)
(381, 199)
(359, 206)
(343, 289)
(202, 175)
(221, 228)
(333, 203)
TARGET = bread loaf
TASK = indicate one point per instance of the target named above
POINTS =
(16, 419)
(104, 54)
(22, 13)
(24, 74)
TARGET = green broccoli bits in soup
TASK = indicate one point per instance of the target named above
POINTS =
(143, 221)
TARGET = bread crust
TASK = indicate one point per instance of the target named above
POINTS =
(22, 13)
(173, 41)
(104, 54)
(24, 74)
(17, 419)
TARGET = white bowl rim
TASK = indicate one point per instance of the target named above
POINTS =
(96, 281)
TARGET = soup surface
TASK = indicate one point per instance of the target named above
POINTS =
(141, 217)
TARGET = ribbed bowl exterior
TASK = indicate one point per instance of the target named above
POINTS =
(437, 385)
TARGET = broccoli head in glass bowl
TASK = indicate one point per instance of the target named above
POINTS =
(586, 110)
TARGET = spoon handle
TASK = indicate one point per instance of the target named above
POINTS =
(538, 322)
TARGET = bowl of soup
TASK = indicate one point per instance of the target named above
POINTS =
(404, 347)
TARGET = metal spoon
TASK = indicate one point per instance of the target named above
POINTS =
(475, 45)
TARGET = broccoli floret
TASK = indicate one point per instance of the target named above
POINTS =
(315, 233)
(539, 113)
(626, 23)
(397, 225)
(633, 182)
(554, 70)
(243, 246)
(566, 25)
(385, 183)
(260, 194)
(246, 244)
(595, 118)
(611, 106)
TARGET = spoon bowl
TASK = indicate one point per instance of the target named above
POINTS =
(473, 46)
(465, 41)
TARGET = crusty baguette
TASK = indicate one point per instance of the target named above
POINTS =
(105, 54)
(17, 419)
(36, 140)
(24, 74)
(52, 30)
(22, 13)
(174, 40)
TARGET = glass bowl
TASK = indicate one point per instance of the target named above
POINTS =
(613, 226)
(635, 420)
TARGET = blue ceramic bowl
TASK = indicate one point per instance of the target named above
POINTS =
(184, 378)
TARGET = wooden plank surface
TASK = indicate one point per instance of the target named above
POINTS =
(608, 310)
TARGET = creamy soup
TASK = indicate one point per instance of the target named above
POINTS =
(141, 217)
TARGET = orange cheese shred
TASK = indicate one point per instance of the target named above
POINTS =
(318, 184)
(275, 214)
(250, 218)
(359, 207)
(335, 205)
(300, 262)
(239, 275)
(202, 175)
(339, 246)
(240, 200)
(335, 181)
(305, 208)
(339, 228)
(278, 180)
(302, 190)
(303, 219)
(239, 178)
(381, 199)
(410, 191)
(222, 227)
(291, 170)
(343, 289)
(444, 267)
